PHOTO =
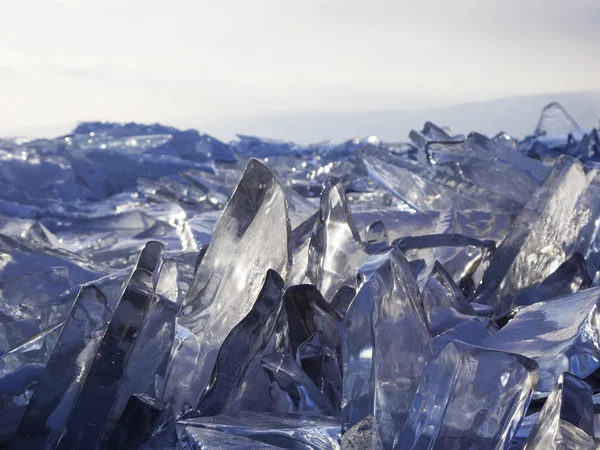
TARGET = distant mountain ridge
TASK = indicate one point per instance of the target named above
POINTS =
(518, 116)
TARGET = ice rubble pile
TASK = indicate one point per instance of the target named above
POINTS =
(163, 290)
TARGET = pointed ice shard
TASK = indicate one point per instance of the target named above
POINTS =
(376, 237)
(402, 344)
(252, 236)
(506, 140)
(146, 367)
(318, 359)
(336, 249)
(567, 419)
(49, 408)
(292, 390)
(342, 298)
(244, 346)
(561, 335)
(85, 425)
(444, 303)
(558, 221)
(281, 430)
(357, 350)
(469, 397)
(555, 120)
(307, 313)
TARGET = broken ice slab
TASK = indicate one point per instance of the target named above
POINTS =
(423, 188)
(465, 258)
(440, 240)
(21, 259)
(469, 397)
(479, 159)
(474, 223)
(280, 430)
(49, 408)
(561, 335)
(444, 303)
(20, 370)
(566, 419)
(307, 313)
(336, 249)
(471, 331)
(32, 282)
(570, 277)
(205, 439)
(84, 426)
(25, 298)
(236, 383)
(318, 358)
(362, 436)
(31, 232)
(252, 236)
(559, 220)
(402, 345)
(292, 390)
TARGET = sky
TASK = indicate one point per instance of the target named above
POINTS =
(197, 61)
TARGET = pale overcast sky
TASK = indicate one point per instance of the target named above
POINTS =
(196, 60)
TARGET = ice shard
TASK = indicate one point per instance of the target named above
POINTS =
(555, 120)
(280, 430)
(342, 299)
(84, 426)
(376, 236)
(357, 350)
(402, 345)
(567, 418)
(559, 220)
(561, 335)
(231, 389)
(318, 359)
(444, 303)
(307, 313)
(336, 249)
(252, 236)
(145, 371)
(469, 397)
(50, 406)
(292, 390)
(138, 422)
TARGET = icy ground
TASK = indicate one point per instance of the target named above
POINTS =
(161, 289)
